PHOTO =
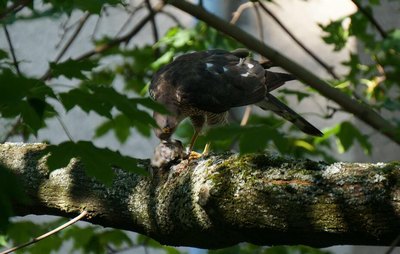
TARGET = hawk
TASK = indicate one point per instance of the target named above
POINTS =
(204, 85)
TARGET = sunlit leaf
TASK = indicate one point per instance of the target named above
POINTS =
(337, 34)
(348, 134)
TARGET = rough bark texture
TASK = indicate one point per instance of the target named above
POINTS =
(224, 199)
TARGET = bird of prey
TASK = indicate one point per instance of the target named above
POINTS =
(204, 85)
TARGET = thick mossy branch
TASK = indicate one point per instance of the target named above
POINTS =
(223, 199)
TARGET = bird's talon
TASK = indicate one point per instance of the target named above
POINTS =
(194, 155)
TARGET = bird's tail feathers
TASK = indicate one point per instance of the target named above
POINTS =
(272, 103)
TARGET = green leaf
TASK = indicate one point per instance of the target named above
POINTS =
(149, 242)
(92, 6)
(98, 162)
(254, 139)
(163, 60)
(103, 100)
(80, 236)
(115, 237)
(346, 136)
(95, 239)
(72, 68)
(392, 105)
(336, 34)
(3, 54)
(374, 2)
(150, 104)
(359, 28)
(26, 97)
(87, 101)
(24, 231)
(120, 125)
(3, 241)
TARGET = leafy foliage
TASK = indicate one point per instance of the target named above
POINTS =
(72, 69)
(87, 239)
(27, 102)
(98, 162)
(24, 231)
(254, 249)
(26, 98)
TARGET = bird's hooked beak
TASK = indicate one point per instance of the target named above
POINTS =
(166, 125)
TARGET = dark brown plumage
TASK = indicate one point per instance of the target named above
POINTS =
(205, 85)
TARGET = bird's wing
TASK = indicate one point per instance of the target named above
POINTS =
(220, 81)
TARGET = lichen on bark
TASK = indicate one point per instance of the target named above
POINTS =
(223, 199)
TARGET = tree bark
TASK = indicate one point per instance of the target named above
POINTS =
(223, 199)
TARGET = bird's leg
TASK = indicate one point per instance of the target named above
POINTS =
(198, 122)
(193, 155)
(193, 140)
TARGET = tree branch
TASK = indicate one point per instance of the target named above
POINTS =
(10, 45)
(223, 199)
(370, 18)
(328, 68)
(82, 22)
(361, 111)
(123, 39)
(154, 28)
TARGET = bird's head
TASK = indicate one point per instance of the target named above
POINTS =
(166, 125)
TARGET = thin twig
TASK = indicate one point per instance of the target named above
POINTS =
(370, 18)
(81, 23)
(235, 17)
(328, 68)
(201, 4)
(14, 7)
(65, 128)
(65, 30)
(153, 26)
(83, 20)
(52, 232)
(172, 17)
(97, 25)
(15, 62)
(12, 130)
(129, 19)
(236, 14)
(246, 115)
(259, 22)
(126, 38)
